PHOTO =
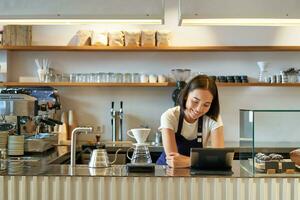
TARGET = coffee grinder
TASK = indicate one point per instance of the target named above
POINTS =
(180, 76)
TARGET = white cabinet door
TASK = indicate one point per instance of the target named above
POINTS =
(55, 9)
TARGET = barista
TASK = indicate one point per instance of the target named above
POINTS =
(191, 124)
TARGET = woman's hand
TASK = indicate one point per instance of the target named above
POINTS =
(177, 160)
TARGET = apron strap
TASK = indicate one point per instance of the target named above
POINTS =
(200, 132)
(180, 123)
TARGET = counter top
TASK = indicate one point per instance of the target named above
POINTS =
(246, 146)
(38, 165)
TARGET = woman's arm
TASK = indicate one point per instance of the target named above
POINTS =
(174, 159)
(217, 138)
(169, 141)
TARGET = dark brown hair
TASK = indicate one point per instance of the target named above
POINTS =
(206, 83)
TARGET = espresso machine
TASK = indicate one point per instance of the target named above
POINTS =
(33, 109)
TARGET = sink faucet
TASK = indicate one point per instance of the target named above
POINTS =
(73, 141)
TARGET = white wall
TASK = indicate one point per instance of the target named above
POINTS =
(145, 105)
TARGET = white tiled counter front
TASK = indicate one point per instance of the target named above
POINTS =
(61, 182)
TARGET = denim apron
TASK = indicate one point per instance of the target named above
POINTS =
(184, 145)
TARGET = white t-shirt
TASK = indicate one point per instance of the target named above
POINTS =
(170, 119)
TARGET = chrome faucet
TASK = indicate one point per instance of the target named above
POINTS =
(117, 122)
(73, 141)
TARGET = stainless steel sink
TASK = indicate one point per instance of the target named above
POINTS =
(83, 158)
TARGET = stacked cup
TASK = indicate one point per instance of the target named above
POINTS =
(3, 139)
(15, 166)
(16, 145)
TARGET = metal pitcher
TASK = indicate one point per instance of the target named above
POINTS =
(100, 158)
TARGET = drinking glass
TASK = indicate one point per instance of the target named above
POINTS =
(136, 78)
(119, 77)
(65, 77)
(127, 78)
(72, 77)
(111, 77)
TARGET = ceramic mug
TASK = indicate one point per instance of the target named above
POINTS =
(139, 134)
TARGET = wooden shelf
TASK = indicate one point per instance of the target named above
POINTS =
(171, 48)
(68, 84)
(258, 84)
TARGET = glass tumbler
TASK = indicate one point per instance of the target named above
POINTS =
(72, 77)
(127, 78)
(119, 77)
(136, 78)
(65, 77)
(111, 77)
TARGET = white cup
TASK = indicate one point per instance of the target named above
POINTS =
(152, 78)
(162, 78)
(139, 134)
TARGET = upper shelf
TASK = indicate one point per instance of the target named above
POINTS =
(167, 84)
(171, 48)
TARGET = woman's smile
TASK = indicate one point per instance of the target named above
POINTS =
(197, 104)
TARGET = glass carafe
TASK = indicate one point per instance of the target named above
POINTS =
(263, 73)
(141, 154)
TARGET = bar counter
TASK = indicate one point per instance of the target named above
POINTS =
(36, 179)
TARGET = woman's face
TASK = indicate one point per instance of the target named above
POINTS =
(198, 103)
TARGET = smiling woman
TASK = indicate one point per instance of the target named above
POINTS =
(191, 124)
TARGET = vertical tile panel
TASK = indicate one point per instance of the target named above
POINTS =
(45, 188)
(195, 188)
(3, 189)
(12, 195)
(148, 190)
(23, 188)
(56, 187)
(68, 188)
(295, 191)
(101, 188)
(126, 186)
(79, 188)
(33, 187)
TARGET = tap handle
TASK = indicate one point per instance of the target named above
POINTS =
(121, 120)
(112, 108)
(112, 105)
(121, 107)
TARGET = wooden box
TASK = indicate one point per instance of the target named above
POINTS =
(17, 35)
